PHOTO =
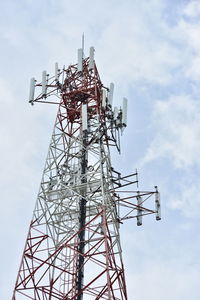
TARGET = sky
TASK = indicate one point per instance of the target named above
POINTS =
(151, 51)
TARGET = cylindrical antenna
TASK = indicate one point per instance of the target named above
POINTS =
(158, 206)
(116, 112)
(124, 112)
(44, 83)
(110, 95)
(103, 98)
(32, 90)
(80, 60)
(91, 60)
(139, 210)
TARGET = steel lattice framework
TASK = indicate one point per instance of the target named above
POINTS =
(73, 246)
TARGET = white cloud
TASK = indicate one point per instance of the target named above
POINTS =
(136, 46)
(176, 143)
(192, 9)
(164, 281)
(177, 132)
(187, 200)
(188, 33)
(165, 264)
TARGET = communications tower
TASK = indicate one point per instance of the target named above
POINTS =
(73, 250)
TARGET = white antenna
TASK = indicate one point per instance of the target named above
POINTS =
(139, 211)
(56, 71)
(103, 98)
(124, 111)
(110, 95)
(116, 112)
(80, 60)
(44, 82)
(32, 89)
(84, 117)
(91, 61)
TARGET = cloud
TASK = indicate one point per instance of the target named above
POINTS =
(176, 123)
(141, 47)
(163, 260)
(164, 281)
(192, 9)
(186, 200)
(175, 144)
(138, 47)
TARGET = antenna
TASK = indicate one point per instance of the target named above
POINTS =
(32, 89)
(110, 95)
(139, 210)
(80, 60)
(158, 206)
(44, 83)
(103, 98)
(115, 112)
(124, 111)
(91, 59)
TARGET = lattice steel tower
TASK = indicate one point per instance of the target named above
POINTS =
(73, 248)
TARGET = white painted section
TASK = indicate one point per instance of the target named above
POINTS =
(44, 82)
(110, 95)
(124, 111)
(80, 59)
(103, 98)
(139, 211)
(91, 59)
(56, 71)
(84, 117)
(32, 89)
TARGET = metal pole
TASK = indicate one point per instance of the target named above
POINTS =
(82, 219)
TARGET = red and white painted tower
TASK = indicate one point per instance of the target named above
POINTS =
(73, 248)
